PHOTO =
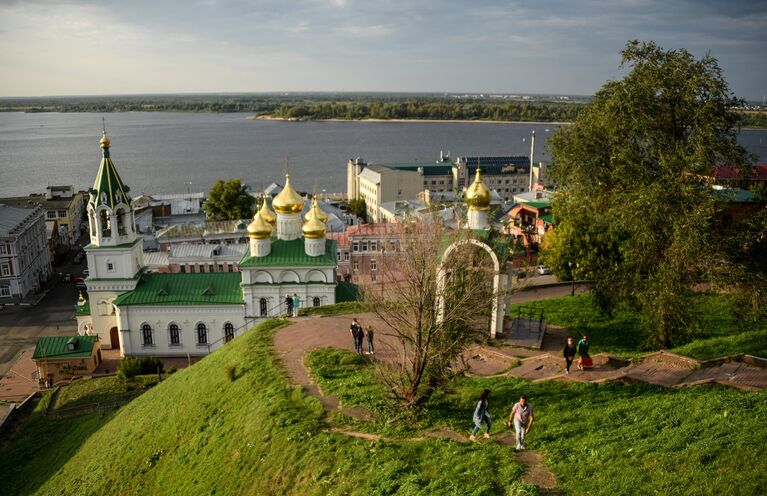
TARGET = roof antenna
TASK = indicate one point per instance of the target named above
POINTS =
(287, 164)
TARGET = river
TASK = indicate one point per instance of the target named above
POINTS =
(166, 152)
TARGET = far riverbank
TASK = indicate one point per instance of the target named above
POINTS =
(426, 121)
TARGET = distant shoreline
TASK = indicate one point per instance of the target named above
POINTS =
(432, 121)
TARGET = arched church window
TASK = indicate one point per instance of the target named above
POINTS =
(105, 224)
(228, 332)
(316, 301)
(202, 333)
(146, 335)
(174, 334)
(121, 222)
(262, 305)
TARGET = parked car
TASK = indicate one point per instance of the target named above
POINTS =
(66, 278)
(543, 270)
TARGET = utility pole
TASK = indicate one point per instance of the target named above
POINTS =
(532, 157)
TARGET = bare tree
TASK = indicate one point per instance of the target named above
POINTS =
(430, 343)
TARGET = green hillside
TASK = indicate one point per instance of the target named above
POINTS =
(200, 433)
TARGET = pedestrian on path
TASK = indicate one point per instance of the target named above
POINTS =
(569, 353)
(296, 304)
(584, 360)
(289, 304)
(481, 415)
(356, 329)
(369, 334)
(522, 417)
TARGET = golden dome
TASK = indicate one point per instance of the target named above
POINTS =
(259, 228)
(477, 194)
(266, 213)
(316, 211)
(104, 140)
(288, 201)
(314, 228)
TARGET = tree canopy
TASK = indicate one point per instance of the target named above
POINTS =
(633, 213)
(229, 201)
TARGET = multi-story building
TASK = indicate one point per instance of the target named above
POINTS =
(380, 184)
(24, 259)
(61, 203)
(195, 258)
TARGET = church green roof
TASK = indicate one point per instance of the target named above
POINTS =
(108, 189)
(215, 288)
(292, 254)
(56, 347)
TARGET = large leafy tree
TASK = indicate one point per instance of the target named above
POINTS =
(633, 214)
(229, 201)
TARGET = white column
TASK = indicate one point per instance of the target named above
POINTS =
(289, 226)
(314, 247)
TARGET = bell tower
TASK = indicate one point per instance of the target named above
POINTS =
(115, 253)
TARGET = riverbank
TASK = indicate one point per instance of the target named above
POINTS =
(425, 121)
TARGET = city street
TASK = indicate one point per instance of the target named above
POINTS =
(20, 326)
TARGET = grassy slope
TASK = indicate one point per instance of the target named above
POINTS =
(603, 439)
(722, 333)
(90, 391)
(198, 433)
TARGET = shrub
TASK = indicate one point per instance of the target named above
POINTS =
(131, 367)
(230, 373)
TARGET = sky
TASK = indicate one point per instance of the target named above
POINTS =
(83, 47)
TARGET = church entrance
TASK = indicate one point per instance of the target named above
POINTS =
(114, 338)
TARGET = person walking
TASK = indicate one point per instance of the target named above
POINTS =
(522, 417)
(356, 329)
(584, 359)
(481, 415)
(289, 304)
(569, 353)
(369, 335)
(296, 304)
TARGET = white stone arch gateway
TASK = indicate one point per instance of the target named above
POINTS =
(499, 284)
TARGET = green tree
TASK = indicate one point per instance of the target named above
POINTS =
(632, 213)
(359, 208)
(229, 201)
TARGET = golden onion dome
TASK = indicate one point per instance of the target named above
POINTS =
(266, 213)
(259, 228)
(316, 211)
(314, 228)
(477, 194)
(288, 201)
(104, 140)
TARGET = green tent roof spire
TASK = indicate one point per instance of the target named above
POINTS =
(108, 189)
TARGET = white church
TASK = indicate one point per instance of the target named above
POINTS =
(175, 314)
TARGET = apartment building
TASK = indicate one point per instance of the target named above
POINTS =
(24, 259)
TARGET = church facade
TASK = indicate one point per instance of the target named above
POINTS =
(179, 314)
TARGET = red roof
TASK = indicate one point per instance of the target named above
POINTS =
(341, 237)
(727, 172)
(378, 229)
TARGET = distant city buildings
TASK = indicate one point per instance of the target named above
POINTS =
(382, 185)
(24, 256)
(61, 203)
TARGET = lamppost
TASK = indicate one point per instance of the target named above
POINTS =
(570, 264)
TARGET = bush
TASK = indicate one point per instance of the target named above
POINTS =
(230, 373)
(131, 367)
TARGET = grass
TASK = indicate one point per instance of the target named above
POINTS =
(722, 332)
(91, 391)
(344, 308)
(602, 439)
(198, 432)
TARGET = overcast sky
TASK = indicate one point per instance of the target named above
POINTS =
(544, 46)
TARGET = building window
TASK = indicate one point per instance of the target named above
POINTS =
(374, 246)
(230, 267)
(146, 335)
(202, 268)
(5, 291)
(110, 266)
(175, 336)
(373, 265)
(220, 267)
(202, 333)
(356, 265)
(3, 250)
(228, 332)
(62, 214)
(364, 246)
(356, 246)
(191, 269)
(5, 270)
(50, 215)
(372, 278)
(316, 301)
(338, 256)
(182, 268)
(346, 256)
(262, 307)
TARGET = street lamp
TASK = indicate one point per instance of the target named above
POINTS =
(570, 264)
